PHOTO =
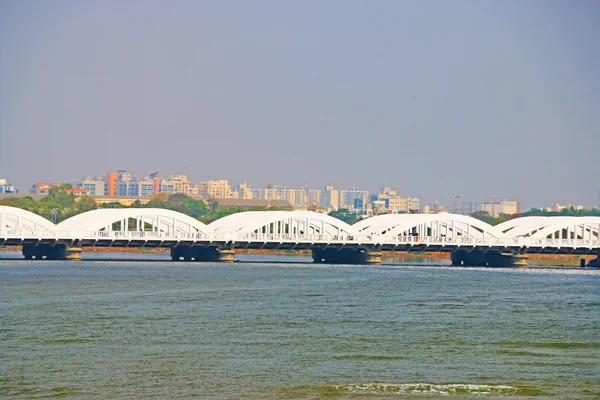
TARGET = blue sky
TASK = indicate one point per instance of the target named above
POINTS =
(477, 98)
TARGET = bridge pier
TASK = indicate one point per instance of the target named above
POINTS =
(466, 258)
(480, 258)
(346, 256)
(52, 252)
(595, 262)
(496, 259)
(206, 254)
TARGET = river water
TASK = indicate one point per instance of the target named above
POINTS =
(136, 329)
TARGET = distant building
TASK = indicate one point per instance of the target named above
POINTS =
(356, 199)
(257, 194)
(78, 191)
(330, 198)
(245, 191)
(95, 186)
(6, 187)
(295, 197)
(177, 184)
(271, 193)
(112, 179)
(124, 184)
(217, 189)
(558, 208)
(398, 204)
(505, 207)
(43, 187)
(314, 198)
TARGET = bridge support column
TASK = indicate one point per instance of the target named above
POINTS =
(206, 254)
(73, 253)
(346, 256)
(473, 258)
(52, 252)
(480, 258)
(226, 255)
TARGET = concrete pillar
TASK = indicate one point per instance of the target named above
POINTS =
(204, 254)
(226, 255)
(176, 253)
(52, 252)
(495, 259)
(346, 256)
(373, 257)
(73, 253)
(472, 258)
(458, 257)
(594, 263)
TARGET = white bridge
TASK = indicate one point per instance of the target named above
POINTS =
(470, 240)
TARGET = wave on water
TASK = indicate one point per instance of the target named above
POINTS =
(428, 388)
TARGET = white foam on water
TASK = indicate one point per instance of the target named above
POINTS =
(428, 388)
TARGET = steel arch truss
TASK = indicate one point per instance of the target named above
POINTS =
(570, 228)
(12, 218)
(433, 225)
(282, 222)
(133, 219)
(557, 227)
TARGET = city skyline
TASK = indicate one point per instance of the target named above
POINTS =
(438, 99)
(457, 202)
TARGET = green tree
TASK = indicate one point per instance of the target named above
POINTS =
(212, 204)
(158, 200)
(112, 204)
(485, 217)
(85, 203)
(196, 208)
(345, 215)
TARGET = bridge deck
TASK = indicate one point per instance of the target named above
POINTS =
(299, 242)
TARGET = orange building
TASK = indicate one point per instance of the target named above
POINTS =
(111, 183)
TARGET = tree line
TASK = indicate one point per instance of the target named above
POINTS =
(61, 204)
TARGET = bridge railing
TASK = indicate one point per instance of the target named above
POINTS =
(296, 238)
(565, 242)
(285, 237)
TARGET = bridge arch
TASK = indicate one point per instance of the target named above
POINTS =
(526, 226)
(156, 219)
(292, 222)
(570, 228)
(13, 218)
(435, 225)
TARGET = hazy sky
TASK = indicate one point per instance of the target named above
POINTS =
(434, 98)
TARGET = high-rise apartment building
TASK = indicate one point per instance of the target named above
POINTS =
(294, 196)
(330, 198)
(177, 184)
(257, 193)
(218, 189)
(357, 199)
(271, 193)
(245, 191)
(112, 178)
(314, 198)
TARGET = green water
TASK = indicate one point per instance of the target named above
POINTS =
(97, 330)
